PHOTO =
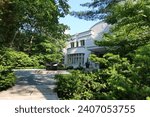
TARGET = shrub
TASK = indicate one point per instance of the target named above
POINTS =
(77, 85)
(7, 78)
(119, 79)
(123, 79)
(142, 61)
(10, 57)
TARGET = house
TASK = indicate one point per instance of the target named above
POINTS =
(81, 45)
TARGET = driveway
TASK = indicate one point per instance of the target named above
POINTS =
(32, 85)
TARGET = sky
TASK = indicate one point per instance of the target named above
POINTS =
(77, 25)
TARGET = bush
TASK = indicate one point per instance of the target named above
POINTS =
(122, 78)
(77, 85)
(119, 80)
(10, 57)
(142, 61)
(7, 78)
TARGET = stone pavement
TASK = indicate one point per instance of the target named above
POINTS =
(33, 85)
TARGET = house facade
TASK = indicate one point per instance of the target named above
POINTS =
(81, 45)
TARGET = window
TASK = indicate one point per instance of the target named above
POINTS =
(72, 44)
(77, 44)
(76, 59)
(82, 42)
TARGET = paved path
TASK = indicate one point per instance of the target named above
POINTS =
(32, 85)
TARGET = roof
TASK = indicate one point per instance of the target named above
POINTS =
(100, 22)
(98, 27)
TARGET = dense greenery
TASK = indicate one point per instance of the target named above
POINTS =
(98, 9)
(124, 72)
(119, 79)
(33, 27)
(78, 85)
(16, 59)
(131, 28)
(7, 78)
(30, 34)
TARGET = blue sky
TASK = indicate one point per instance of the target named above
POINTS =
(77, 25)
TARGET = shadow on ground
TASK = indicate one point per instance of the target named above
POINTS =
(32, 82)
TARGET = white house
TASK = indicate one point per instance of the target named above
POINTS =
(81, 45)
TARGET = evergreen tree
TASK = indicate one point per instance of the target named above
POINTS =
(98, 9)
(132, 27)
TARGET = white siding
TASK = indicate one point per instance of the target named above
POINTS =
(95, 33)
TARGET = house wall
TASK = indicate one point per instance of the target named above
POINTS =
(72, 54)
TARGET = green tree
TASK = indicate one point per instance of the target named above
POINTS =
(123, 79)
(129, 19)
(33, 26)
(132, 27)
(30, 33)
(98, 9)
(141, 59)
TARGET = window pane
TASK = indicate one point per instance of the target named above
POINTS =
(72, 44)
(82, 42)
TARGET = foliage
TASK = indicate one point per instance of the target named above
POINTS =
(129, 21)
(122, 79)
(30, 34)
(124, 72)
(129, 37)
(118, 79)
(14, 59)
(142, 61)
(31, 18)
(131, 29)
(7, 78)
(33, 27)
(98, 9)
(77, 85)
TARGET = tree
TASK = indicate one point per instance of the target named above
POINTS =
(98, 9)
(30, 33)
(131, 29)
(141, 59)
(129, 19)
(33, 26)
